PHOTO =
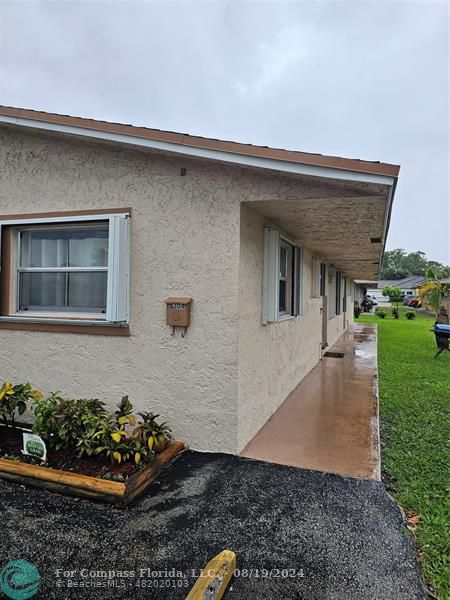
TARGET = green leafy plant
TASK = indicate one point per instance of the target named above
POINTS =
(64, 424)
(356, 310)
(114, 438)
(86, 428)
(410, 315)
(395, 313)
(434, 292)
(380, 312)
(395, 296)
(154, 435)
(15, 398)
(45, 424)
(124, 413)
(118, 445)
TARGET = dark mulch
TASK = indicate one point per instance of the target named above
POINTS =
(297, 534)
(11, 445)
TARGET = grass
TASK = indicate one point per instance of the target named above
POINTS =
(415, 430)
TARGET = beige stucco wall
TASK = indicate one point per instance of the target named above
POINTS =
(273, 358)
(219, 384)
(184, 241)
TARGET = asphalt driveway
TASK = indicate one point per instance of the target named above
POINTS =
(298, 534)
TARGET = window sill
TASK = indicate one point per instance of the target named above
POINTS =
(282, 318)
(65, 326)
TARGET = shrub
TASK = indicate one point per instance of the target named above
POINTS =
(356, 310)
(380, 312)
(115, 443)
(151, 433)
(410, 315)
(61, 422)
(395, 313)
(85, 427)
(15, 398)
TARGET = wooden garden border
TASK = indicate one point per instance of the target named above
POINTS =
(73, 484)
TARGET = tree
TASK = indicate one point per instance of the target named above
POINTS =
(434, 292)
(392, 264)
(415, 263)
(439, 270)
(398, 264)
(395, 295)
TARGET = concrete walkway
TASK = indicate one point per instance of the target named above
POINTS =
(330, 421)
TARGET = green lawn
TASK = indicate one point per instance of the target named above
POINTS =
(415, 431)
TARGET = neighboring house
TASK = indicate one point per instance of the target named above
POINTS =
(101, 223)
(408, 285)
(362, 287)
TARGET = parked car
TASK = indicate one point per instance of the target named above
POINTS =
(416, 303)
(408, 299)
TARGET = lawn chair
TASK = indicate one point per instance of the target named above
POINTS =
(442, 333)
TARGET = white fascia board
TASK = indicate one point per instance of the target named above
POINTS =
(229, 157)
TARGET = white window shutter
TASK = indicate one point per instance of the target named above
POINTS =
(270, 275)
(118, 269)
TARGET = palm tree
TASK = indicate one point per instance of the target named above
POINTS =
(434, 292)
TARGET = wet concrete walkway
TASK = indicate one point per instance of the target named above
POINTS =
(330, 421)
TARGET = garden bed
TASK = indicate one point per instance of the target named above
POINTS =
(83, 477)
(80, 447)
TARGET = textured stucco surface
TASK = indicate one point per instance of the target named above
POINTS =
(273, 358)
(313, 221)
(187, 239)
(184, 241)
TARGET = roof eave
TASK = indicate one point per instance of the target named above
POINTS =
(232, 152)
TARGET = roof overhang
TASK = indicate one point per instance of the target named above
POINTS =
(303, 163)
(379, 180)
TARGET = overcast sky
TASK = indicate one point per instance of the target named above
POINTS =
(366, 80)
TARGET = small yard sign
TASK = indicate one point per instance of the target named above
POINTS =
(33, 445)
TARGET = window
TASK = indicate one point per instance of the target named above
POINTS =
(323, 276)
(332, 276)
(285, 278)
(338, 295)
(67, 268)
(62, 269)
(282, 277)
(344, 297)
(319, 273)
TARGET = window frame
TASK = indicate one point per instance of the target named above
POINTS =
(274, 240)
(118, 269)
(344, 294)
(323, 279)
(288, 279)
(73, 314)
(338, 292)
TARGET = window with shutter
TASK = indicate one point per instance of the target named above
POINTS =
(67, 268)
(282, 281)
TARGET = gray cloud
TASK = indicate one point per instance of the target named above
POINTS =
(367, 80)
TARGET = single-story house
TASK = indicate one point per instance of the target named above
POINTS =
(108, 230)
(408, 285)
